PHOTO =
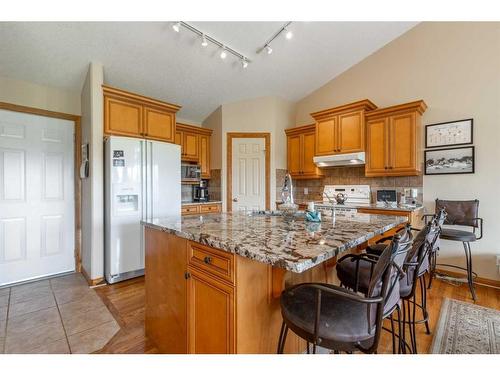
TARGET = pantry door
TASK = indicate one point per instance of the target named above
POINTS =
(37, 199)
(248, 174)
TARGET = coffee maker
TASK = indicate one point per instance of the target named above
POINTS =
(200, 192)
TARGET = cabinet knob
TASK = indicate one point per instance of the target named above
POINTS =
(187, 275)
(207, 260)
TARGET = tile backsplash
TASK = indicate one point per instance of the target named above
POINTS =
(347, 176)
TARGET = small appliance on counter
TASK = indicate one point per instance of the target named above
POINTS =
(190, 173)
(387, 198)
(200, 192)
(409, 198)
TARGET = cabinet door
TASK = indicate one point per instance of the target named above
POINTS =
(402, 138)
(159, 124)
(351, 132)
(294, 154)
(178, 137)
(210, 315)
(308, 146)
(122, 117)
(166, 312)
(190, 146)
(204, 153)
(376, 147)
(326, 137)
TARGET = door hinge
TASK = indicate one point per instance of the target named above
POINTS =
(187, 275)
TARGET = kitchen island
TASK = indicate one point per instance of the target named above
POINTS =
(213, 281)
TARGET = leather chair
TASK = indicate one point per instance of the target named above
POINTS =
(464, 214)
(339, 319)
(416, 264)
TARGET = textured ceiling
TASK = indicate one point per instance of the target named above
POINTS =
(151, 59)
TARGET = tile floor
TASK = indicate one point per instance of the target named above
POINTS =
(58, 315)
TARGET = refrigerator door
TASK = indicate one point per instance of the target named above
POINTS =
(164, 179)
(124, 190)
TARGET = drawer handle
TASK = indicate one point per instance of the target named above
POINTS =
(208, 260)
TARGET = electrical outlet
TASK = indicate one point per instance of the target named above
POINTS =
(306, 192)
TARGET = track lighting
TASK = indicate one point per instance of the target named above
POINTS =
(223, 54)
(289, 34)
(204, 42)
(269, 50)
(206, 39)
(284, 29)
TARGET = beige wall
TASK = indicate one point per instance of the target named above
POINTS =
(455, 68)
(93, 186)
(266, 114)
(38, 96)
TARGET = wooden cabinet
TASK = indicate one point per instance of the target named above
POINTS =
(166, 309)
(301, 144)
(159, 124)
(133, 115)
(341, 129)
(394, 140)
(196, 208)
(204, 154)
(195, 146)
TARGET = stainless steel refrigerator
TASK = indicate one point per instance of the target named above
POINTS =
(142, 181)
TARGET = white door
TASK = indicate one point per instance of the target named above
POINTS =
(36, 196)
(249, 174)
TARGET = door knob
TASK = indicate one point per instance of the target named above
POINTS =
(235, 199)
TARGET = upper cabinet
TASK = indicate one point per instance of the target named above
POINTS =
(301, 143)
(195, 145)
(135, 115)
(393, 146)
(341, 129)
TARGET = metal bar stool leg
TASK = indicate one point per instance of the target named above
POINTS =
(423, 295)
(470, 278)
(282, 338)
(432, 271)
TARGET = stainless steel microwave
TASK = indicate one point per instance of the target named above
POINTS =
(190, 173)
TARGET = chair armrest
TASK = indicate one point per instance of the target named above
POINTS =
(341, 292)
(426, 217)
(479, 222)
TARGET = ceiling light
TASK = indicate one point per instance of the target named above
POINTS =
(289, 34)
(269, 50)
(204, 42)
(223, 54)
(244, 63)
(177, 27)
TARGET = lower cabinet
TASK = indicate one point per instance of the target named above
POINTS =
(210, 314)
(196, 209)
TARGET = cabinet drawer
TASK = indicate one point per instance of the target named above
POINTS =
(206, 208)
(190, 210)
(215, 262)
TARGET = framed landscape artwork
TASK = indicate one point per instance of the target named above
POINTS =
(454, 133)
(457, 160)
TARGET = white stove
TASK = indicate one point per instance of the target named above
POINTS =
(357, 195)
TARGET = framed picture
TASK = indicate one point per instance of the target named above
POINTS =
(452, 133)
(457, 160)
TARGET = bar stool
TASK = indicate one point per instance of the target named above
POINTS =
(465, 214)
(339, 319)
(414, 268)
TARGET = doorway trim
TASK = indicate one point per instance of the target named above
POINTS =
(229, 163)
(77, 155)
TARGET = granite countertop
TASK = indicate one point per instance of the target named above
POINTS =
(295, 246)
(196, 203)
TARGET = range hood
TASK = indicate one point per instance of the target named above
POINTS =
(356, 158)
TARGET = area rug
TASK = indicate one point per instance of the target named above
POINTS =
(464, 328)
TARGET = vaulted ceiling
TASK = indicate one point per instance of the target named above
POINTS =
(151, 59)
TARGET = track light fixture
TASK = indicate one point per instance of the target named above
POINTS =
(288, 35)
(205, 39)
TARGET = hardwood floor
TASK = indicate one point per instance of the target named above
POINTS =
(126, 302)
